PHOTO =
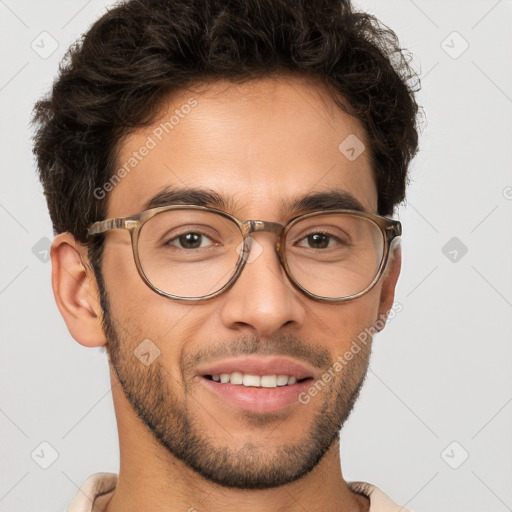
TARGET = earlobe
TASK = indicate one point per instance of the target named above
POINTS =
(76, 292)
(389, 280)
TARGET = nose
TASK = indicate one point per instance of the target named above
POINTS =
(263, 300)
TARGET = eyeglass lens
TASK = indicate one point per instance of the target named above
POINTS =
(193, 253)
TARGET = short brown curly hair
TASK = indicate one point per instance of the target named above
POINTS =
(114, 79)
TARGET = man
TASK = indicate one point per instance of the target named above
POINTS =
(220, 178)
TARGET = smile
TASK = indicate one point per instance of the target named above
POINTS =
(259, 384)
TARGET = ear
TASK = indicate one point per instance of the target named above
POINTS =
(76, 292)
(389, 279)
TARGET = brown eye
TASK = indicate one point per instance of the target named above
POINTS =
(318, 241)
(190, 241)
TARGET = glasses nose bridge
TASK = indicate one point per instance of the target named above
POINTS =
(255, 226)
(250, 227)
(262, 226)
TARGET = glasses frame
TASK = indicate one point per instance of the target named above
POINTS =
(390, 229)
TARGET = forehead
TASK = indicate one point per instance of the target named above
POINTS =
(259, 145)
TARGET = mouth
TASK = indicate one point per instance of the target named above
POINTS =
(257, 384)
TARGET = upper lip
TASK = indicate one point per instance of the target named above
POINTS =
(258, 365)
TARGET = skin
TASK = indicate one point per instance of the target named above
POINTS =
(287, 132)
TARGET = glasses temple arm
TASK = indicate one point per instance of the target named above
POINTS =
(106, 225)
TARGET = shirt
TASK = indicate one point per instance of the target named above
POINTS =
(98, 490)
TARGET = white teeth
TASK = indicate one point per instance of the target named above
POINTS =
(237, 378)
(268, 381)
(282, 380)
(265, 381)
(252, 380)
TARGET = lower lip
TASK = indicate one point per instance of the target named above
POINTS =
(253, 399)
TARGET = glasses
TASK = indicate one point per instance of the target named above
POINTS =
(193, 253)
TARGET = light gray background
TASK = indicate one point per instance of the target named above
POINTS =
(441, 370)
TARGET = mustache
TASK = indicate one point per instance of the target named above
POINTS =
(278, 345)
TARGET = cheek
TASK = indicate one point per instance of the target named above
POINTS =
(130, 298)
(134, 307)
(118, 268)
(140, 314)
(343, 323)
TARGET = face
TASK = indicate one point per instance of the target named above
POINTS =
(259, 147)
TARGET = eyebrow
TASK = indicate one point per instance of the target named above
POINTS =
(332, 200)
(193, 196)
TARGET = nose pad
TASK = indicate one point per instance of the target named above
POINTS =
(255, 251)
(250, 251)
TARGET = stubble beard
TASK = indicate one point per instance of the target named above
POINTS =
(150, 391)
